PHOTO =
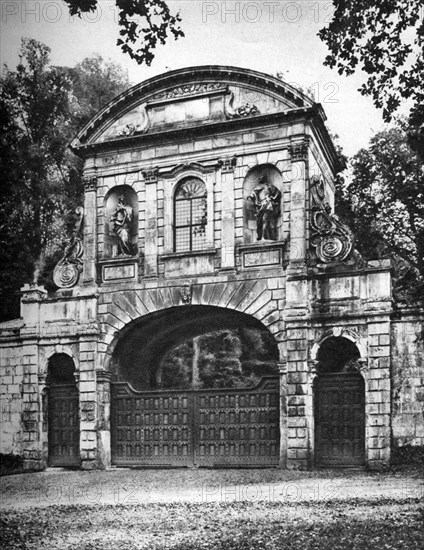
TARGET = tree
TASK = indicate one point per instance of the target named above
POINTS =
(384, 38)
(41, 109)
(384, 205)
(34, 105)
(384, 202)
(143, 23)
(94, 83)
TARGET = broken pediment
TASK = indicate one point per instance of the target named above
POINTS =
(188, 98)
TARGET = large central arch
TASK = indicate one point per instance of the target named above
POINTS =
(236, 426)
(143, 343)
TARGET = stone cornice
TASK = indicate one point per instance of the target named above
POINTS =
(204, 130)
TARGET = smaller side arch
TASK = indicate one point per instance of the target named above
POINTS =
(58, 349)
(61, 406)
(338, 403)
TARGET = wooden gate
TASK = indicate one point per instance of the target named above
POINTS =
(339, 420)
(216, 427)
(63, 426)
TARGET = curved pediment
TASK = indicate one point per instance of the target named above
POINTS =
(190, 97)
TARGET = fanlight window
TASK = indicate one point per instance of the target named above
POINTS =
(190, 216)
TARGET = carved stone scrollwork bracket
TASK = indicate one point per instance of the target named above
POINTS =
(228, 165)
(241, 111)
(331, 240)
(150, 176)
(68, 269)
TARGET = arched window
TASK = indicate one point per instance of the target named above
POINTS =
(190, 215)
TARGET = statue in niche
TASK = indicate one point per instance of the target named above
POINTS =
(266, 198)
(122, 218)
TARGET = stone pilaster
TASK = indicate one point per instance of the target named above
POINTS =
(298, 154)
(86, 382)
(90, 230)
(298, 447)
(43, 418)
(378, 374)
(309, 411)
(228, 209)
(103, 418)
(151, 235)
(31, 407)
(378, 394)
(282, 367)
(31, 301)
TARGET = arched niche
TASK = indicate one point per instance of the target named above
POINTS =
(121, 195)
(254, 183)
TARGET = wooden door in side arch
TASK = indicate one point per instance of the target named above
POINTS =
(63, 426)
(339, 409)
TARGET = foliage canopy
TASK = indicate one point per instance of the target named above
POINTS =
(384, 204)
(143, 24)
(384, 38)
(42, 107)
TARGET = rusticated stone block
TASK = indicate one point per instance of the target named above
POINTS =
(297, 377)
(88, 410)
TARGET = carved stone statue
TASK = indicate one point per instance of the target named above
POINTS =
(266, 198)
(122, 218)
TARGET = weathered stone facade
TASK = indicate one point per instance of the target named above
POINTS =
(224, 127)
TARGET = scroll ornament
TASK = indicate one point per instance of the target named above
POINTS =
(67, 271)
(332, 240)
(242, 111)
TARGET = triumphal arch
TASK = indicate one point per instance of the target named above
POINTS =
(209, 206)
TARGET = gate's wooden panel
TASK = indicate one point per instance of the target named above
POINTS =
(151, 428)
(228, 427)
(63, 426)
(238, 427)
(339, 420)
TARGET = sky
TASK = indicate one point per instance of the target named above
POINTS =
(268, 36)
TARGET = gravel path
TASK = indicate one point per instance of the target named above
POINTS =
(135, 487)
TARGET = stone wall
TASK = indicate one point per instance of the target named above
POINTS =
(407, 364)
(11, 386)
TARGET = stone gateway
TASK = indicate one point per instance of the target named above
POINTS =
(209, 205)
